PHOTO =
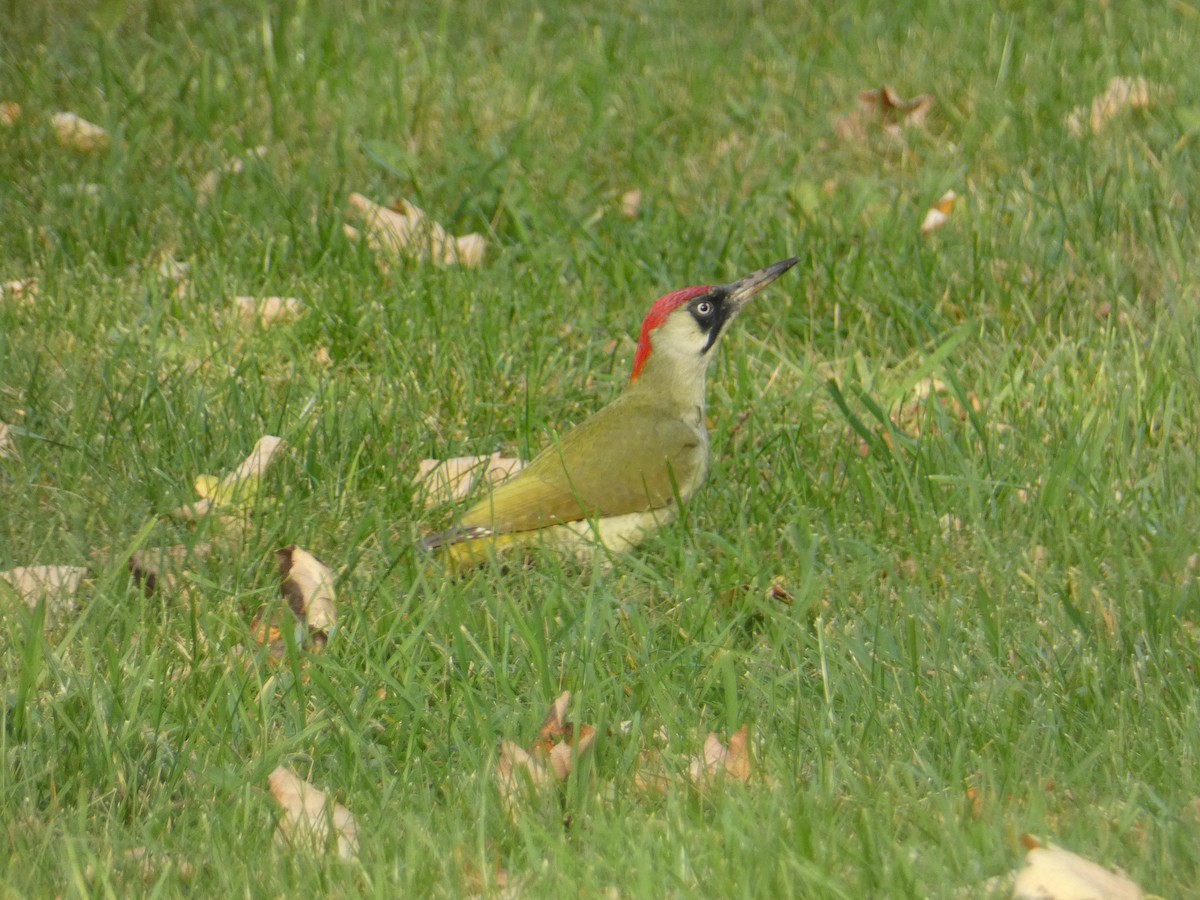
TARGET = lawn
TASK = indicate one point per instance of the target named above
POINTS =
(945, 566)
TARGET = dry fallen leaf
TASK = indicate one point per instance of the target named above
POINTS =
(408, 231)
(939, 213)
(306, 584)
(24, 289)
(76, 133)
(718, 761)
(56, 585)
(550, 760)
(1052, 873)
(268, 310)
(883, 108)
(446, 480)
(10, 112)
(1121, 94)
(8, 448)
(238, 488)
(715, 762)
(159, 570)
(309, 817)
(631, 203)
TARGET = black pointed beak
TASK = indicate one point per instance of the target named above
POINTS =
(741, 291)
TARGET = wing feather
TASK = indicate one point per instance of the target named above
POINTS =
(598, 469)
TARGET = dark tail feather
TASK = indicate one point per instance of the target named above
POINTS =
(451, 536)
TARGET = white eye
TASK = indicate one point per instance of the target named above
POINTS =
(704, 308)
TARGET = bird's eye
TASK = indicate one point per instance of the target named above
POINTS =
(704, 308)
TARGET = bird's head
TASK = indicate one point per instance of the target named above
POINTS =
(686, 324)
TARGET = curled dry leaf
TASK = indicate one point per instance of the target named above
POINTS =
(77, 133)
(551, 759)
(446, 480)
(10, 113)
(24, 289)
(306, 584)
(310, 818)
(1052, 873)
(56, 585)
(1121, 94)
(939, 213)
(719, 761)
(268, 310)
(159, 570)
(236, 489)
(631, 203)
(715, 762)
(883, 108)
(8, 448)
(407, 231)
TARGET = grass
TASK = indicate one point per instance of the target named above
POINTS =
(994, 605)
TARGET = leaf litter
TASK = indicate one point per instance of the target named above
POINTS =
(237, 490)
(882, 109)
(446, 480)
(311, 821)
(548, 761)
(405, 230)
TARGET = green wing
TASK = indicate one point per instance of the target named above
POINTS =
(619, 461)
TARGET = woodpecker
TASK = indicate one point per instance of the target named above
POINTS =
(620, 473)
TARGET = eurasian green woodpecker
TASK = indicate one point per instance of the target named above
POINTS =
(620, 472)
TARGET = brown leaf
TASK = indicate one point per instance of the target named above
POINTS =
(1052, 873)
(718, 761)
(8, 448)
(306, 584)
(310, 818)
(268, 310)
(651, 775)
(159, 570)
(939, 213)
(550, 760)
(446, 480)
(23, 289)
(407, 231)
(55, 585)
(10, 112)
(884, 109)
(1121, 94)
(714, 763)
(76, 133)
(631, 203)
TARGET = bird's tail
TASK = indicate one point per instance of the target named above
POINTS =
(467, 548)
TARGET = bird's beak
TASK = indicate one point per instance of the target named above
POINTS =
(741, 291)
